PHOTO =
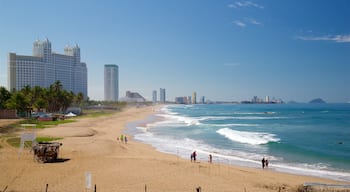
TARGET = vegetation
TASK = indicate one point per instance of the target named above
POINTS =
(28, 99)
(42, 124)
(16, 141)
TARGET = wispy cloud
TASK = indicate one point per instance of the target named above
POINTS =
(239, 4)
(239, 23)
(335, 38)
(245, 22)
(253, 21)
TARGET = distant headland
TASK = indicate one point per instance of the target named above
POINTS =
(318, 101)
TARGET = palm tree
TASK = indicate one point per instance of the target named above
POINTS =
(54, 94)
(39, 98)
(79, 98)
(4, 96)
(19, 102)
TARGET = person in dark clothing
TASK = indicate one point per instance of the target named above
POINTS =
(194, 156)
(263, 162)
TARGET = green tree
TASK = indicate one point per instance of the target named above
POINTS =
(19, 102)
(39, 98)
(79, 98)
(5, 95)
(53, 96)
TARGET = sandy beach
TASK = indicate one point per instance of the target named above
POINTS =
(90, 145)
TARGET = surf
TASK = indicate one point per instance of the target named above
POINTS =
(253, 138)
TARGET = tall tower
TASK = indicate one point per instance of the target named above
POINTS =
(194, 98)
(154, 96)
(162, 95)
(111, 86)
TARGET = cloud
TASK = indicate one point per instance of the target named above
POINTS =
(335, 38)
(239, 4)
(239, 23)
(245, 22)
(253, 21)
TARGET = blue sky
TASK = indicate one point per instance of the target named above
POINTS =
(224, 50)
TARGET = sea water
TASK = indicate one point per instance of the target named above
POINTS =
(307, 139)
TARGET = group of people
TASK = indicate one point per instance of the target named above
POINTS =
(122, 138)
(194, 157)
(265, 163)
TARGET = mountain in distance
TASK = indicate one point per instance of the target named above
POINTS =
(318, 100)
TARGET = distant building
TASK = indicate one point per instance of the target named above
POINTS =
(45, 67)
(189, 100)
(162, 95)
(194, 98)
(181, 100)
(267, 99)
(111, 83)
(202, 100)
(154, 96)
(133, 97)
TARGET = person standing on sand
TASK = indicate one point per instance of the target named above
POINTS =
(194, 156)
(210, 158)
(266, 163)
(126, 140)
(263, 162)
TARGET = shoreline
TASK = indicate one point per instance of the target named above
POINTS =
(117, 166)
(132, 129)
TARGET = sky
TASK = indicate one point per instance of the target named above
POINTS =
(225, 50)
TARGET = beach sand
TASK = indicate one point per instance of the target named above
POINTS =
(90, 145)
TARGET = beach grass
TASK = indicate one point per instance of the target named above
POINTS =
(41, 124)
(97, 113)
(16, 141)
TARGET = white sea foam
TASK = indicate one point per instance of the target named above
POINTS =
(249, 155)
(235, 125)
(253, 138)
(182, 147)
(239, 117)
(176, 119)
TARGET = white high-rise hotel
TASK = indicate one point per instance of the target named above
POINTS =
(111, 83)
(45, 67)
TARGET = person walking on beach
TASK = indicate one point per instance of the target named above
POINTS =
(193, 156)
(210, 158)
(266, 163)
(263, 162)
(126, 140)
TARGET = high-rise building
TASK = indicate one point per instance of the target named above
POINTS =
(202, 100)
(162, 96)
(194, 98)
(189, 100)
(45, 67)
(154, 96)
(267, 99)
(111, 83)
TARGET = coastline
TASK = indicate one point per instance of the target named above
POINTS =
(90, 145)
(174, 146)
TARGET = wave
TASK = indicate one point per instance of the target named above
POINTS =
(240, 118)
(253, 138)
(176, 119)
(184, 146)
(234, 125)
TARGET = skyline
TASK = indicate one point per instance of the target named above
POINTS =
(223, 50)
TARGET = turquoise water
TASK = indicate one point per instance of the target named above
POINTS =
(308, 139)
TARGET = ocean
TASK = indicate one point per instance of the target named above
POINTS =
(305, 139)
